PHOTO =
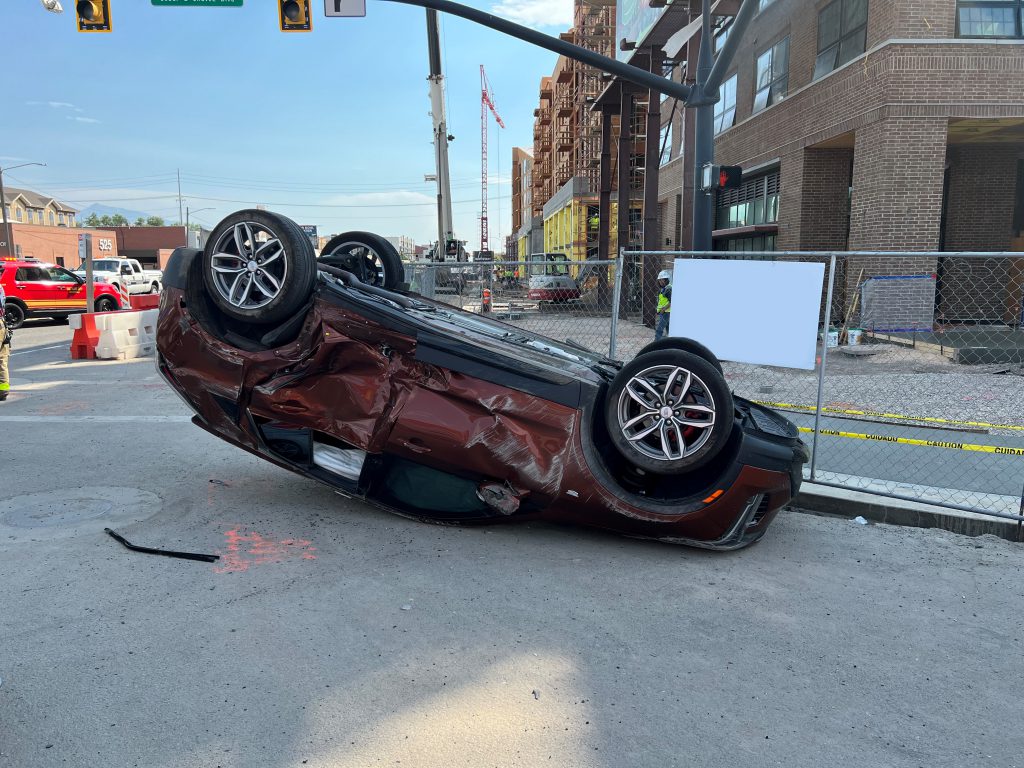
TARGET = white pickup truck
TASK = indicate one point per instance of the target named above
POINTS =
(124, 273)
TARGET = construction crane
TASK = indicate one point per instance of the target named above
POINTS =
(486, 102)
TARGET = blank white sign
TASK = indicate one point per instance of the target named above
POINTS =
(763, 312)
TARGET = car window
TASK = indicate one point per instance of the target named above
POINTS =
(31, 275)
(103, 266)
(62, 275)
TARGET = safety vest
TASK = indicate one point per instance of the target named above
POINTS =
(665, 299)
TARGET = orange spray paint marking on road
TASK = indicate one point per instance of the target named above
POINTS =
(246, 549)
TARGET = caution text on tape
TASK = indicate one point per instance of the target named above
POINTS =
(996, 449)
(879, 414)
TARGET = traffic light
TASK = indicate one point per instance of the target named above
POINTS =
(295, 15)
(721, 177)
(93, 15)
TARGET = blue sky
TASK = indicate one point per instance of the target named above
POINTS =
(329, 127)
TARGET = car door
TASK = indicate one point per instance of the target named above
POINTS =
(68, 289)
(34, 287)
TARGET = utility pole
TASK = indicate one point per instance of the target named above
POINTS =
(3, 207)
(179, 195)
(444, 192)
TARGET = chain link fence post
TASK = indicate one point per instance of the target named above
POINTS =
(616, 298)
(824, 358)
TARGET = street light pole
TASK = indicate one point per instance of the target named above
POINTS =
(3, 207)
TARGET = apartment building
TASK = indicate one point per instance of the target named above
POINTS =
(566, 168)
(860, 125)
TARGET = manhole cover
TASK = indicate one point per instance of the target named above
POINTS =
(54, 509)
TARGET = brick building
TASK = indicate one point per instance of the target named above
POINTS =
(861, 125)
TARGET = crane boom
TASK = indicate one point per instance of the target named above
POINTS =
(486, 102)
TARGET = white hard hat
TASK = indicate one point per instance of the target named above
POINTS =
(664, 275)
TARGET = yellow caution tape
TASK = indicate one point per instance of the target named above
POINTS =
(997, 449)
(878, 414)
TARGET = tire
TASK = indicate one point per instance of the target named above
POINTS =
(258, 267)
(154, 288)
(687, 345)
(649, 399)
(106, 304)
(14, 315)
(369, 257)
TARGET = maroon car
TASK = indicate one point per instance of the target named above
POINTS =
(327, 367)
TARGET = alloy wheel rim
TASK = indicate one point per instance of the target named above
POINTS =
(666, 412)
(249, 265)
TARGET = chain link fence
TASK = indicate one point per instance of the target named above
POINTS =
(567, 300)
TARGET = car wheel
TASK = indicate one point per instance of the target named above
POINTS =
(258, 267)
(669, 411)
(106, 304)
(154, 288)
(687, 345)
(14, 315)
(369, 257)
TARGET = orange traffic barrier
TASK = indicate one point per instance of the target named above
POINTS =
(486, 301)
(146, 301)
(87, 335)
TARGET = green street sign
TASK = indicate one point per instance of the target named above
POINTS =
(197, 2)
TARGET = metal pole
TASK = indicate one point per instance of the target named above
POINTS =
(616, 298)
(824, 357)
(7, 224)
(570, 51)
(704, 141)
(179, 194)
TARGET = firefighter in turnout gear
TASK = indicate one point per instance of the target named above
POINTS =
(664, 304)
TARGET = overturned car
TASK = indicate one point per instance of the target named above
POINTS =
(325, 366)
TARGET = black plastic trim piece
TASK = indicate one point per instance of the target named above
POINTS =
(496, 368)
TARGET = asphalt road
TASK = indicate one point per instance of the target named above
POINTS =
(335, 635)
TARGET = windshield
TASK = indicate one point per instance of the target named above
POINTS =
(549, 264)
(103, 265)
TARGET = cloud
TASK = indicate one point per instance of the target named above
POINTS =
(83, 119)
(54, 105)
(536, 13)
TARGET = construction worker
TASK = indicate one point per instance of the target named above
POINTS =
(5, 350)
(664, 304)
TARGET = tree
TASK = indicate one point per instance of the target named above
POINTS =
(154, 221)
(118, 220)
(92, 220)
(140, 222)
(105, 220)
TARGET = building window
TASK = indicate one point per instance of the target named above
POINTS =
(725, 109)
(990, 18)
(772, 75)
(755, 202)
(666, 142)
(17, 213)
(722, 34)
(53, 219)
(842, 34)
